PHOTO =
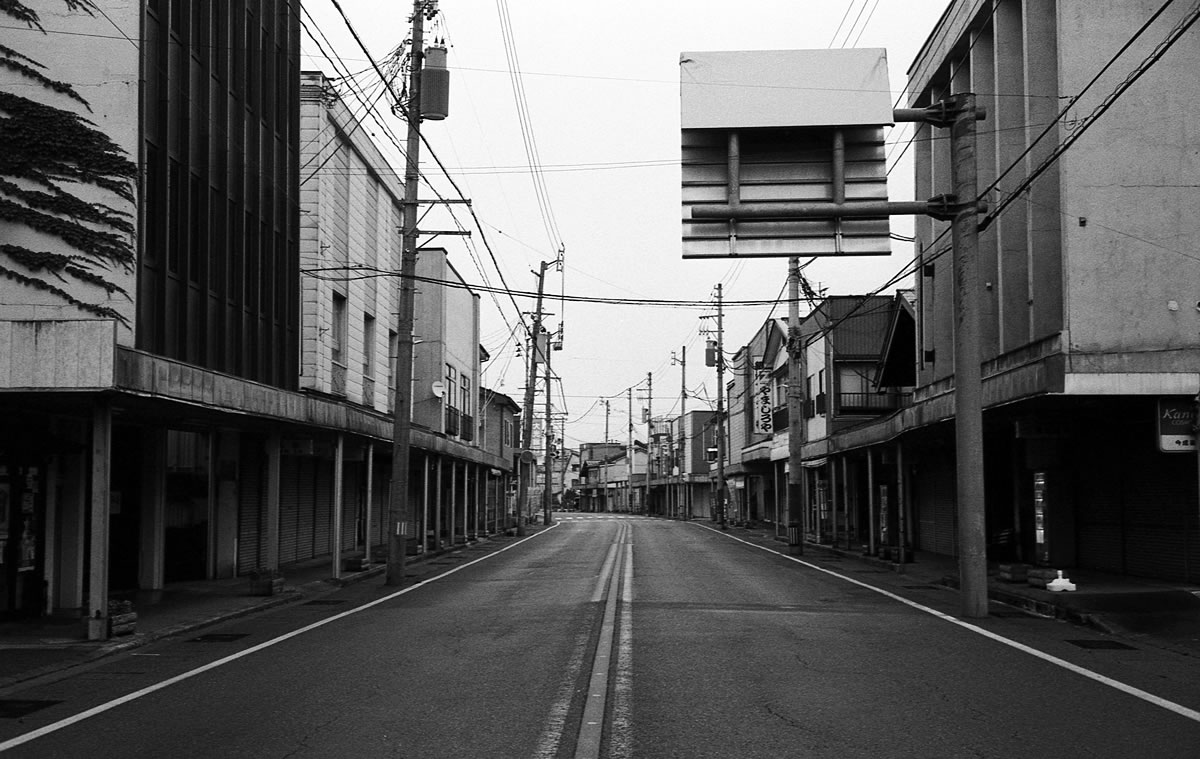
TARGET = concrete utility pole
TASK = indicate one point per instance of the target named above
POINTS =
(402, 406)
(547, 477)
(629, 458)
(649, 435)
(604, 457)
(722, 489)
(795, 406)
(682, 503)
(968, 376)
(525, 469)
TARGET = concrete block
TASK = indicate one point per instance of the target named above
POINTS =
(1014, 572)
(1039, 576)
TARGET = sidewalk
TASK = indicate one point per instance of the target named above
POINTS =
(33, 648)
(1160, 613)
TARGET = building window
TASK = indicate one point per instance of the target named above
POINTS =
(368, 366)
(507, 435)
(368, 359)
(393, 354)
(337, 337)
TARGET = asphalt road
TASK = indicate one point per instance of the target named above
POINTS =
(624, 637)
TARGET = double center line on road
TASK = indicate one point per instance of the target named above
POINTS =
(606, 682)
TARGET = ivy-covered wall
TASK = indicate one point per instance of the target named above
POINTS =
(69, 72)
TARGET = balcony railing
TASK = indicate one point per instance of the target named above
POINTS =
(452, 419)
(368, 398)
(869, 403)
(468, 427)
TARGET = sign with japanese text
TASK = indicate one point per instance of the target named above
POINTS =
(1177, 425)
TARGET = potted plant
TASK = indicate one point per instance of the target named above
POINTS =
(266, 582)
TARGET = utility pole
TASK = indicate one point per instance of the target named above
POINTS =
(549, 436)
(604, 457)
(722, 491)
(968, 376)
(685, 505)
(795, 406)
(525, 469)
(629, 458)
(649, 434)
(402, 406)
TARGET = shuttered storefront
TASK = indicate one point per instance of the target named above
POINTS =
(353, 513)
(250, 508)
(1098, 488)
(322, 513)
(1136, 514)
(291, 487)
(935, 497)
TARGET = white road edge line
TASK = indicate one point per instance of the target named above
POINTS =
(1170, 706)
(101, 708)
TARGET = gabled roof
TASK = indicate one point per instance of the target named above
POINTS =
(897, 363)
(494, 398)
(855, 325)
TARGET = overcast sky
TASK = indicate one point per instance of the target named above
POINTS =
(601, 84)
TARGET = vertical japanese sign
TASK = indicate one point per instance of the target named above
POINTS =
(764, 403)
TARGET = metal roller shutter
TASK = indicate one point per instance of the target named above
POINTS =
(250, 511)
(352, 512)
(937, 520)
(289, 508)
(1098, 512)
(1159, 500)
(306, 505)
(322, 543)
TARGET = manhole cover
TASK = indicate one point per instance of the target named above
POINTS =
(922, 587)
(1007, 613)
(873, 571)
(218, 637)
(15, 708)
(1115, 645)
(323, 602)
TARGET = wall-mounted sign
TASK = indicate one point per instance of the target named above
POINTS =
(1177, 425)
(764, 402)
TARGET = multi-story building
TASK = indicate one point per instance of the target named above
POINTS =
(202, 410)
(842, 339)
(352, 207)
(1089, 326)
(141, 380)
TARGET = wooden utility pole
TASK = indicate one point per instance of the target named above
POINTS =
(525, 468)
(402, 405)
